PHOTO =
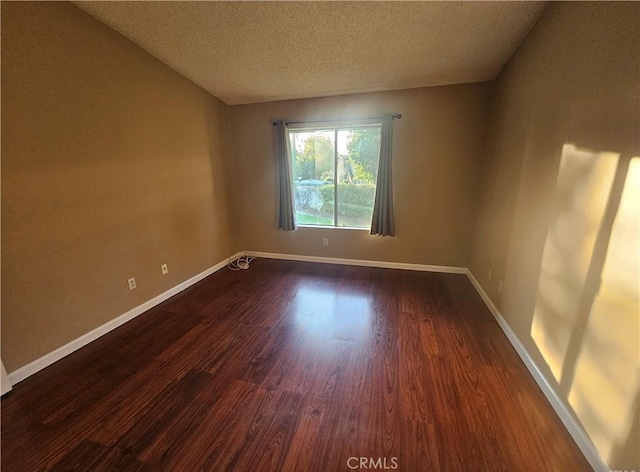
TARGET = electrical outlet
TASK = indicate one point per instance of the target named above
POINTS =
(165, 269)
(500, 286)
(489, 274)
(325, 241)
(132, 283)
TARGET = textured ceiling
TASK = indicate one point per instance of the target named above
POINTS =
(245, 52)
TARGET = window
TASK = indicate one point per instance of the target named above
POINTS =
(334, 174)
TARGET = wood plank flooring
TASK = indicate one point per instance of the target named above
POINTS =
(292, 366)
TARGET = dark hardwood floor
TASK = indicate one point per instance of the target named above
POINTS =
(293, 366)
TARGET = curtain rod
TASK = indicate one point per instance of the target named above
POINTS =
(395, 116)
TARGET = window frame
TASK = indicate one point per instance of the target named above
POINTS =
(334, 126)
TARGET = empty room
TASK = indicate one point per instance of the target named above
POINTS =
(320, 236)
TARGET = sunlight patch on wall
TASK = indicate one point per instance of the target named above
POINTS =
(607, 370)
(583, 187)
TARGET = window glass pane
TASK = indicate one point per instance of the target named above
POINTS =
(312, 154)
(335, 163)
(358, 153)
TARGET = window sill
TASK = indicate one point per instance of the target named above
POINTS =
(350, 228)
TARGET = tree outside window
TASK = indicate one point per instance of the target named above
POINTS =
(334, 175)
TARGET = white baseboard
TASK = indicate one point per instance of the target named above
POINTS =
(360, 262)
(5, 382)
(48, 359)
(575, 429)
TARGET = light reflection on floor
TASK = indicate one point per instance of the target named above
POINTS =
(323, 314)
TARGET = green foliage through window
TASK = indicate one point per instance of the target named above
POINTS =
(321, 159)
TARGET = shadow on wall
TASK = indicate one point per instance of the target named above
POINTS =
(586, 322)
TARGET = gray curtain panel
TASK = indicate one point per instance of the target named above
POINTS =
(286, 216)
(382, 222)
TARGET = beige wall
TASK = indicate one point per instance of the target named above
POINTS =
(437, 150)
(558, 216)
(111, 166)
